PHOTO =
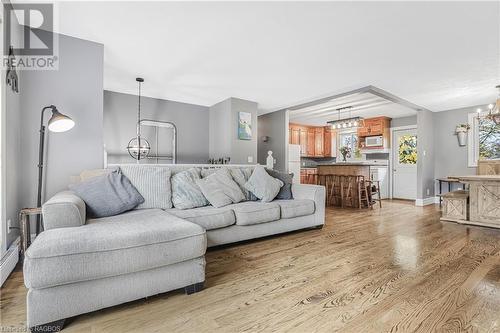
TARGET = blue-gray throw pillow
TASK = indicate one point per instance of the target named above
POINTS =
(108, 195)
(285, 192)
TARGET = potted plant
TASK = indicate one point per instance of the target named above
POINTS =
(461, 132)
(346, 152)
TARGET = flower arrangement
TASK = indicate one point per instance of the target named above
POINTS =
(346, 152)
(462, 128)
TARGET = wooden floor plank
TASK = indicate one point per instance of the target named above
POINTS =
(395, 269)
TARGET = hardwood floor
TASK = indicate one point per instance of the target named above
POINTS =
(398, 269)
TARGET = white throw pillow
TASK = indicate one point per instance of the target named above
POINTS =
(220, 189)
(265, 187)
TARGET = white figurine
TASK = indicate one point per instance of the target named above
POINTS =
(270, 160)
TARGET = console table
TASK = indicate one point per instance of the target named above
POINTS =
(484, 199)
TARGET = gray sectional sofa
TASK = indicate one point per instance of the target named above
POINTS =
(78, 265)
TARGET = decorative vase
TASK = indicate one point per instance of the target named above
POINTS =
(462, 138)
(344, 158)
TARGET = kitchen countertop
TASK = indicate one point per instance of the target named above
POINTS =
(352, 164)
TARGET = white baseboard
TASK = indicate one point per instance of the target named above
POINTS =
(9, 261)
(427, 201)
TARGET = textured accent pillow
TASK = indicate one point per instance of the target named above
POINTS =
(241, 176)
(152, 182)
(185, 193)
(262, 185)
(220, 189)
(285, 192)
(108, 195)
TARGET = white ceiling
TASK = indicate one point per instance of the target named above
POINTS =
(440, 55)
(364, 105)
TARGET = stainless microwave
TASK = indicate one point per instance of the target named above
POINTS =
(374, 141)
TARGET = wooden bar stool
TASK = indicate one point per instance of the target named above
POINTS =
(367, 189)
(347, 190)
(363, 194)
(375, 189)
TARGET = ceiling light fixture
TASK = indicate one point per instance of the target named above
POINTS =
(349, 122)
(494, 109)
(137, 147)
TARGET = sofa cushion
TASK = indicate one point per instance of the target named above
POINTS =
(208, 217)
(254, 212)
(107, 195)
(110, 246)
(262, 185)
(152, 182)
(185, 193)
(295, 208)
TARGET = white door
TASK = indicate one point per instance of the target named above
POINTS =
(404, 162)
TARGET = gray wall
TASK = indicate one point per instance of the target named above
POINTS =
(425, 151)
(76, 88)
(223, 131)
(275, 126)
(120, 118)
(404, 121)
(11, 146)
(450, 158)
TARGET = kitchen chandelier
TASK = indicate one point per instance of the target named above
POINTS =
(494, 109)
(349, 122)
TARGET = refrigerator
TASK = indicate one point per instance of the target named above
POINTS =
(294, 162)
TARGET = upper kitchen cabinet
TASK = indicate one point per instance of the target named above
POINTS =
(314, 141)
(374, 126)
(375, 133)
(298, 136)
(329, 142)
(319, 141)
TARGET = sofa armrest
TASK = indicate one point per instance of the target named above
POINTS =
(65, 209)
(312, 192)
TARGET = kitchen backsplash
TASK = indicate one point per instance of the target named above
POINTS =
(307, 162)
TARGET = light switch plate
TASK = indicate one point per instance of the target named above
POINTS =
(250, 159)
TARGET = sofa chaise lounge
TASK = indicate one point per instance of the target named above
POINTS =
(78, 265)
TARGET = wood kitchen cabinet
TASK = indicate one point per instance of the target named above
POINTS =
(374, 126)
(307, 175)
(310, 142)
(319, 141)
(294, 136)
(378, 126)
(329, 142)
(314, 141)
(303, 141)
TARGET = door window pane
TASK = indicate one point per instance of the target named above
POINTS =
(407, 149)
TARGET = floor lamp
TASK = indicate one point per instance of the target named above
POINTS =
(57, 123)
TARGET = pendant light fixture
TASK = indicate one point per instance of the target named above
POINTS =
(138, 147)
(349, 122)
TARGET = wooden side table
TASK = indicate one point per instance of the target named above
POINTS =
(24, 224)
(449, 181)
